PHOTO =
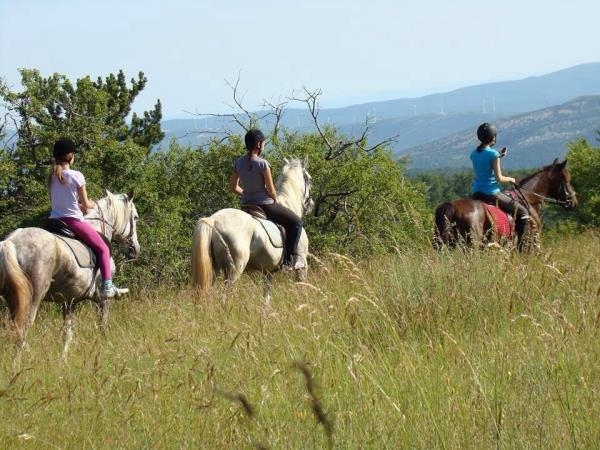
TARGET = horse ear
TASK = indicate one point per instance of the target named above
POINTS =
(286, 161)
(109, 196)
(555, 162)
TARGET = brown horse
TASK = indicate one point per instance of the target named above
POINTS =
(469, 221)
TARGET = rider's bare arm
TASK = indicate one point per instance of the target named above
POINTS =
(234, 184)
(269, 183)
(84, 202)
(498, 172)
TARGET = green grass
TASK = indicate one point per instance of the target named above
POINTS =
(415, 350)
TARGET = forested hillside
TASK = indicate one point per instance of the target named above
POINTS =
(533, 139)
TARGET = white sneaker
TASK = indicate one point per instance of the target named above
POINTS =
(286, 268)
(299, 262)
(113, 291)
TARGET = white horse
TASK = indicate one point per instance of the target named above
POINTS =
(232, 240)
(37, 265)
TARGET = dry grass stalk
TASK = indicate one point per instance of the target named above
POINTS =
(317, 408)
(240, 398)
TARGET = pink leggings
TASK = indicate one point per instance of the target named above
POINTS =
(86, 233)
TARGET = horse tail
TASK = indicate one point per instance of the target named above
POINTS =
(202, 259)
(16, 287)
(442, 232)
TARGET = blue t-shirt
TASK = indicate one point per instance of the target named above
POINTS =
(251, 180)
(485, 179)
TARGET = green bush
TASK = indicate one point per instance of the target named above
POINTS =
(584, 165)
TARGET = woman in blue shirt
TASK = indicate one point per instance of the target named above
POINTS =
(488, 176)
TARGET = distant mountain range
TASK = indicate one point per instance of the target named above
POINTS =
(536, 117)
(533, 139)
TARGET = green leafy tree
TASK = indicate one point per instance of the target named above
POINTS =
(96, 115)
(584, 166)
(363, 202)
(165, 186)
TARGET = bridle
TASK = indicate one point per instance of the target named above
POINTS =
(566, 193)
(126, 239)
(306, 201)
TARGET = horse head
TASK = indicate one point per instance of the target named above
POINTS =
(551, 183)
(293, 186)
(560, 184)
(117, 217)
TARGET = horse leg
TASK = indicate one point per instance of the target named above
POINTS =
(480, 228)
(103, 313)
(67, 311)
(40, 288)
(300, 265)
(233, 271)
(267, 284)
(530, 241)
(448, 228)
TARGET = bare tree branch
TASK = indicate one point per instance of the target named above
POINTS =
(339, 147)
(236, 97)
(277, 110)
(244, 120)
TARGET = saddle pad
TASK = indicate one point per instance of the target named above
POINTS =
(273, 231)
(500, 219)
(83, 254)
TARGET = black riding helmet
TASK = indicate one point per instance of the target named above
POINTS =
(63, 147)
(252, 138)
(486, 133)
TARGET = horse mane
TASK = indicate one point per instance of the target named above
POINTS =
(528, 178)
(289, 184)
(120, 212)
(286, 180)
(117, 214)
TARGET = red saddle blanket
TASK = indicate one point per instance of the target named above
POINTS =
(501, 220)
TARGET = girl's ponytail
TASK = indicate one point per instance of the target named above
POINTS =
(57, 171)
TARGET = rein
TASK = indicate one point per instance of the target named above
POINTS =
(104, 222)
(555, 201)
(306, 195)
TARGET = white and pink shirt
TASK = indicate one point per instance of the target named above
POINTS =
(65, 197)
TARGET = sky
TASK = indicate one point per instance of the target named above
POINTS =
(354, 51)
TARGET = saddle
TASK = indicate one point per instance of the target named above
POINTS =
(501, 221)
(85, 257)
(255, 211)
(275, 231)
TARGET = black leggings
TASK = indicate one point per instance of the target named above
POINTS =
(290, 222)
(507, 204)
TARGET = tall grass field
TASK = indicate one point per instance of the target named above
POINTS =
(414, 350)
